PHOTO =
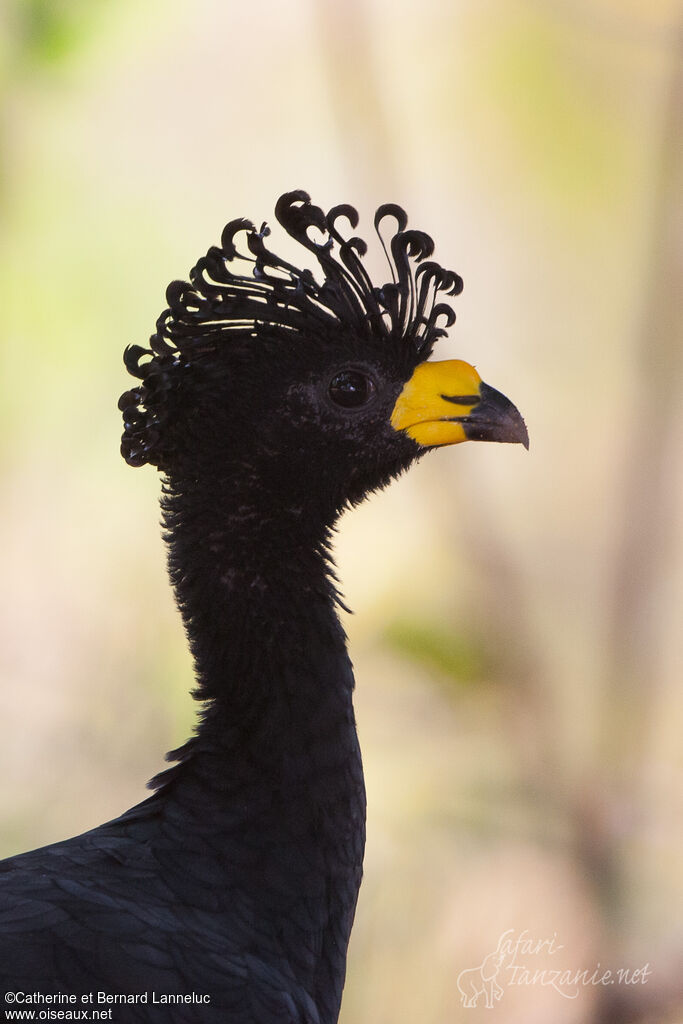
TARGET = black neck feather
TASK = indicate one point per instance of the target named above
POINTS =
(275, 766)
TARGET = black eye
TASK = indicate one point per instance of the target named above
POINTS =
(351, 389)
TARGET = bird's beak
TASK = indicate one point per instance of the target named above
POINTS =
(447, 402)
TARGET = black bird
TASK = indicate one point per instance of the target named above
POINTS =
(270, 400)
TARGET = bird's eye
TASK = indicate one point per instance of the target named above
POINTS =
(351, 389)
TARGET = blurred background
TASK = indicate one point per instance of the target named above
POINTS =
(517, 636)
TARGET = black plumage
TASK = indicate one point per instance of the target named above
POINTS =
(270, 401)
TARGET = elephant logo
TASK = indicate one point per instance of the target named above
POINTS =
(475, 982)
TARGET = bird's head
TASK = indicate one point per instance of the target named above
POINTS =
(313, 391)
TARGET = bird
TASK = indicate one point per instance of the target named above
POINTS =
(270, 399)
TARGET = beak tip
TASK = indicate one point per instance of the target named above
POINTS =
(495, 418)
(524, 438)
(520, 433)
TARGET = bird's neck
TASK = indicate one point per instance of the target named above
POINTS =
(252, 580)
(275, 767)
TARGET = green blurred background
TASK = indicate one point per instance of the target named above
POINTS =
(517, 636)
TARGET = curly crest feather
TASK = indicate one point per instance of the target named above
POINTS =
(277, 297)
